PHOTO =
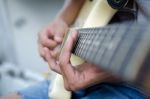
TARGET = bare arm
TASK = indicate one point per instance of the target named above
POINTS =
(11, 96)
(67, 16)
(51, 37)
(70, 10)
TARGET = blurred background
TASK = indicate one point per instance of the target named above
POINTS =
(20, 21)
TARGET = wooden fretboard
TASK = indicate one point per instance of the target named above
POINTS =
(120, 49)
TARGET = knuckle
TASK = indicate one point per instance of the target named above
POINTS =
(73, 85)
(45, 42)
(53, 54)
(73, 88)
(41, 53)
(52, 68)
(43, 57)
(67, 87)
(62, 62)
(50, 43)
(53, 44)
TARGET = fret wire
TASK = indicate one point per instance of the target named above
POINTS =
(84, 44)
(103, 48)
(75, 48)
(108, 50)
(144, 41)
(87, 41)
(80, 43)
(98, 42)
(129, 36)
(100, 38)
(133, 45)
(89, 51)
(78, 46)
(82, 48)
(98, 56)
(128, 48)
(114, 59)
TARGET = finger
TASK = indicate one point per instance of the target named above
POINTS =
(41, 51)
(66, 52)
(50, 31)
(59, 34)
(49, 43)
(52, 63)
(45, 40)
(56, 52)
(58, 38)
(66, 68)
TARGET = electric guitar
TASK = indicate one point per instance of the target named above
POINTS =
(120, 49)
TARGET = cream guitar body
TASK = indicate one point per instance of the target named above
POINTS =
(94, 13)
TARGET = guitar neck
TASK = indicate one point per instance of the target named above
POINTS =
(120, 49)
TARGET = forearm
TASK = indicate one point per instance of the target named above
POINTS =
(11, 96)
(70, 10)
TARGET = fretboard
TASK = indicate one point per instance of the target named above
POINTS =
(120, 49)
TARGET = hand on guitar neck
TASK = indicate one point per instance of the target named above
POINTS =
(49, 42)
(81, 77)
(50, 38)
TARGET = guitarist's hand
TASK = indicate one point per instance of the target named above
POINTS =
(50, 39)
(85, 75)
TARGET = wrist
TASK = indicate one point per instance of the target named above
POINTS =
(63, 20)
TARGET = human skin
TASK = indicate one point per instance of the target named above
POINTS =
(82, 77)
(50, 39)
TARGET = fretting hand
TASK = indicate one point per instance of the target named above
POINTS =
(50, 40)
(84, 75)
